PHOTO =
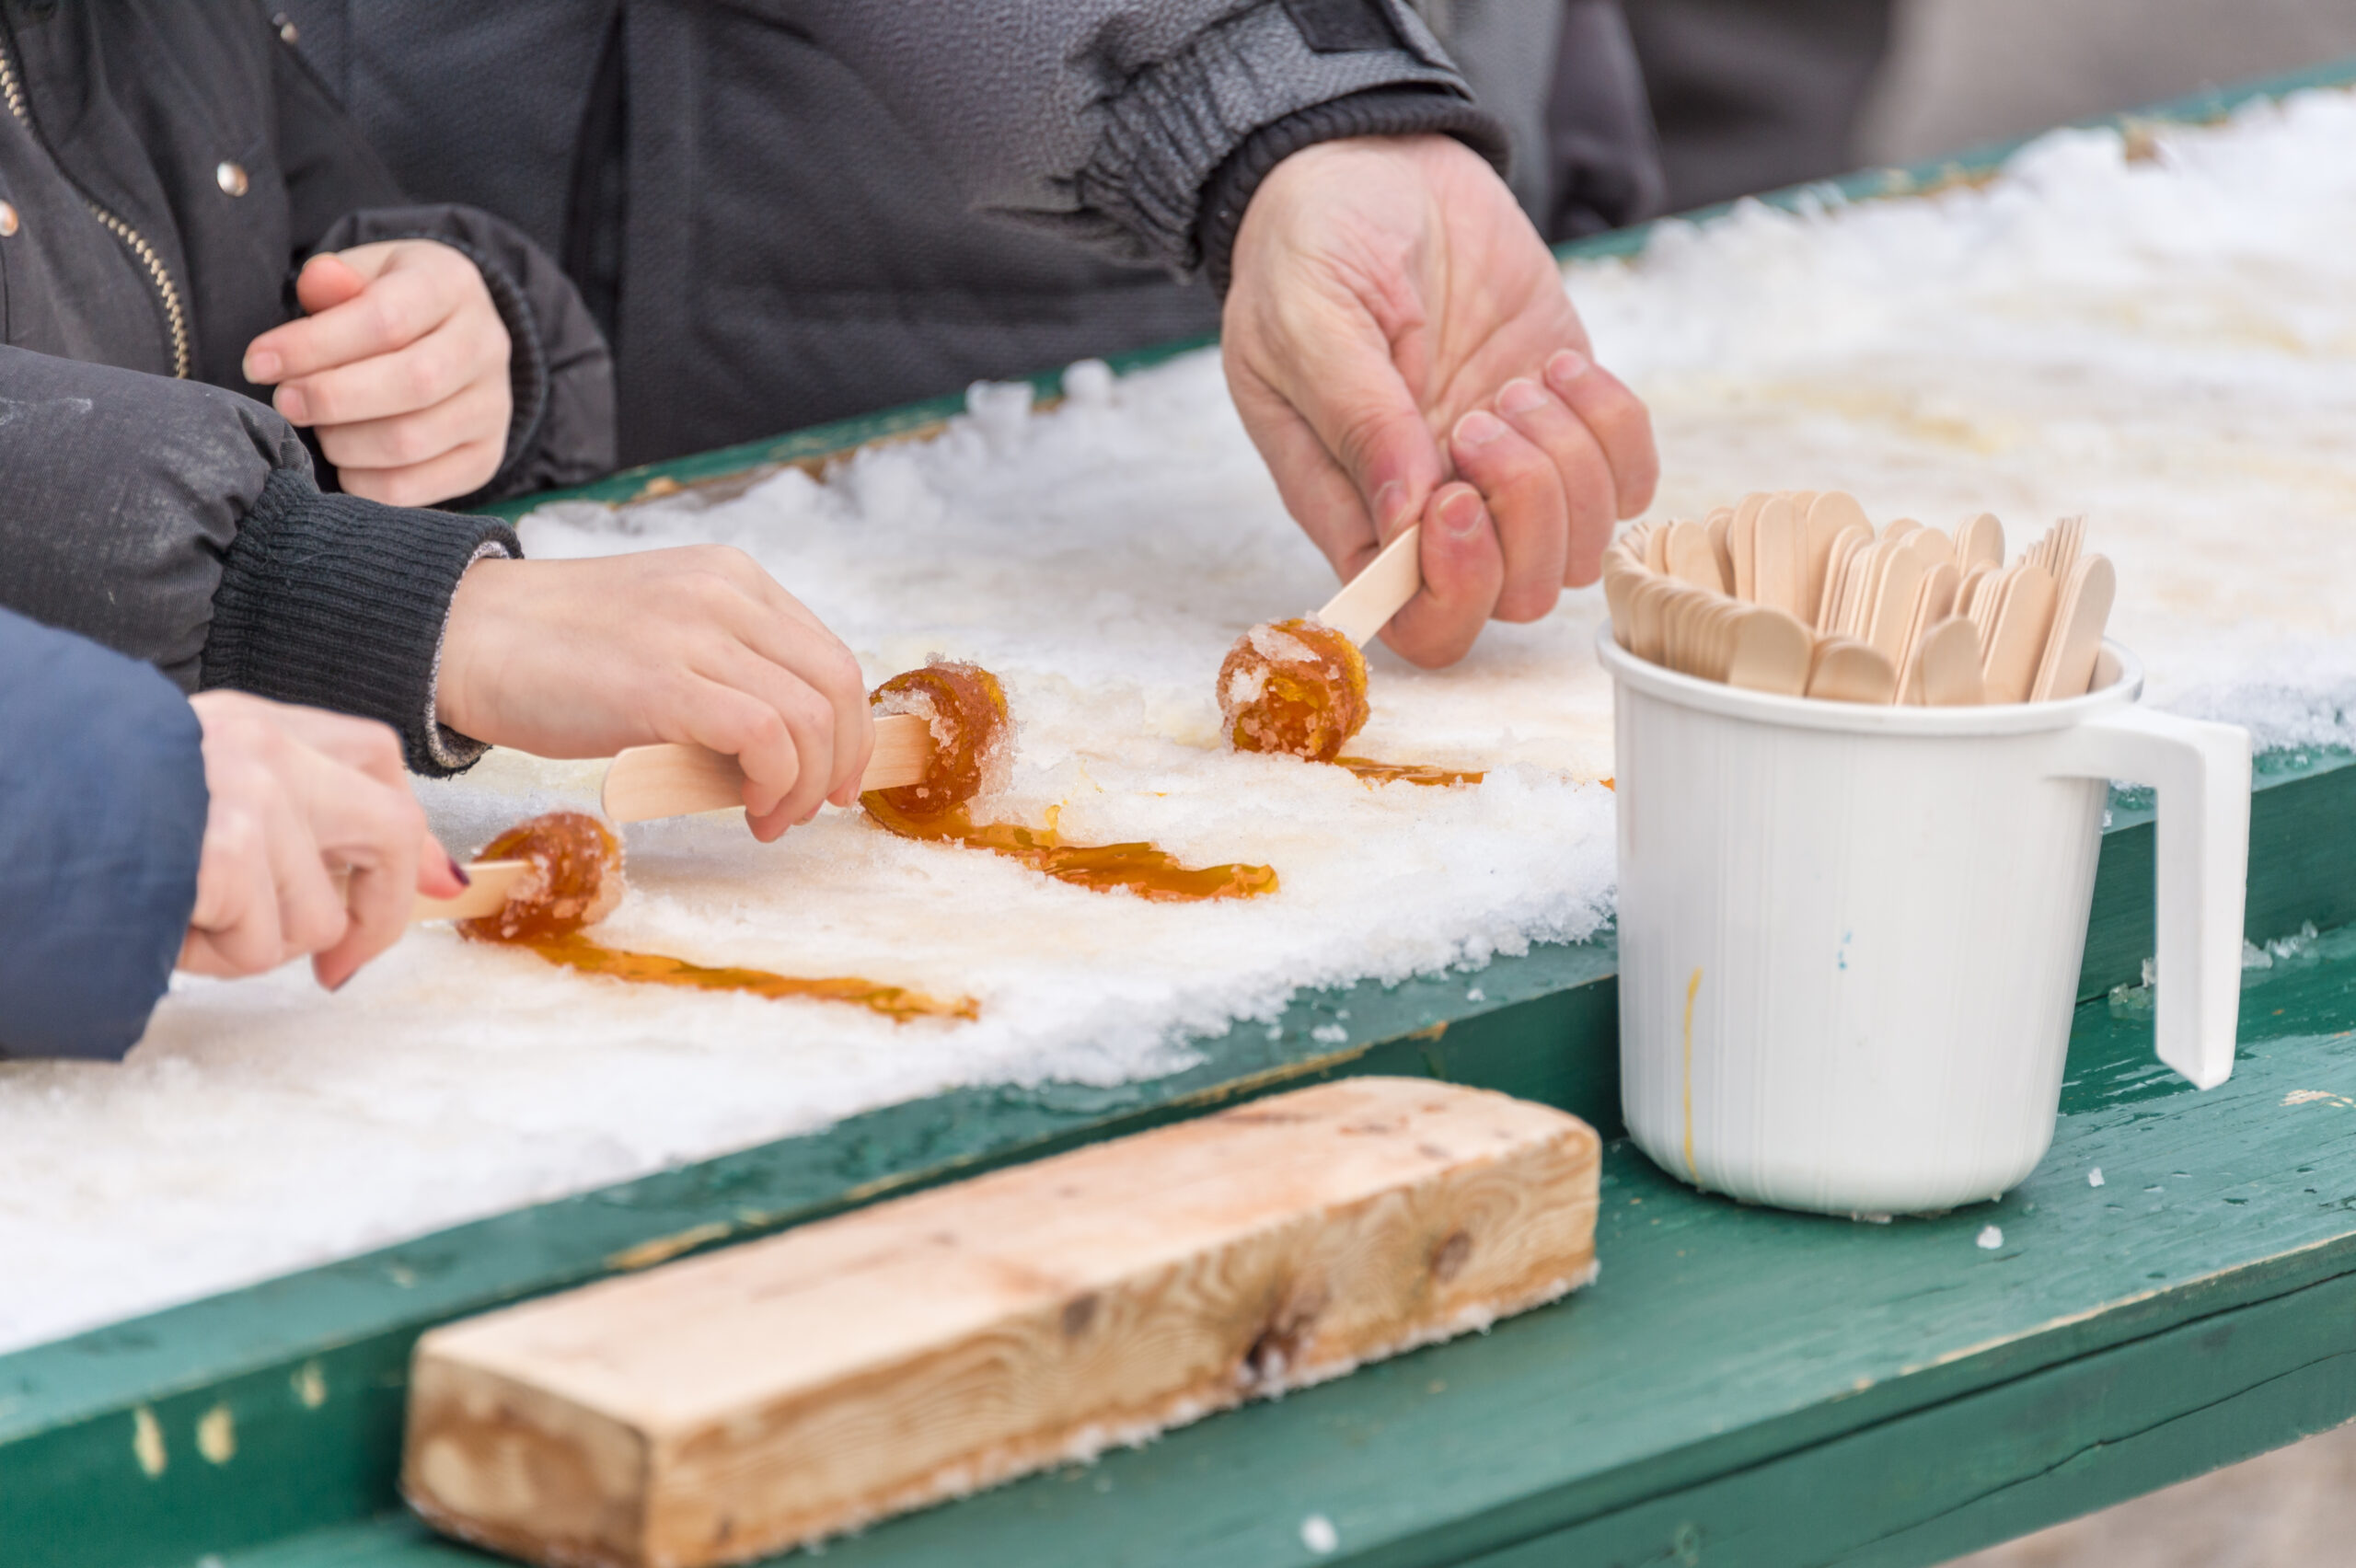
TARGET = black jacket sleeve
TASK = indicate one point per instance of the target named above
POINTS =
(561, 432)
(340, 194)
(102, 808)
(179, 523)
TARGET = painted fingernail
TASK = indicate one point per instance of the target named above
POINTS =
(293, 405)
(460, 872)
(1478, 428)
(1460, 514)
(1389, 507)
(1566, 366)
(1522, 396)
(262, 366)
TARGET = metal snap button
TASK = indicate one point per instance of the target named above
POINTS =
(287, 32)
(231, 177)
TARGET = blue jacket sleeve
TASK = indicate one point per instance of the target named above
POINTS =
(102, 807)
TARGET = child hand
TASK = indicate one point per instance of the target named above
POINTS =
(297, 796)
(400, 365)
(582, 658)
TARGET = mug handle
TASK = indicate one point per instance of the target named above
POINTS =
(2202, 773)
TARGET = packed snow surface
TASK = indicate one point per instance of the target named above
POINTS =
(2166, 345)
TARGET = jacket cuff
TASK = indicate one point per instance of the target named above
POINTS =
(335, 601)
(1387, 112)
(528, 371)
(1174, 126)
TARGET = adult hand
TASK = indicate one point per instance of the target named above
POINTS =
(313, 843)
(1395, 322)
(400, 363)
(697, 645)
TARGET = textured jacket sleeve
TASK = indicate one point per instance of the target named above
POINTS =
(340, 194)
(179, 524)
(561, 374)
(102, 806)
(1104, 121)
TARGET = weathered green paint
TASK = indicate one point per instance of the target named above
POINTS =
(312, 1367)
(1763, 1388)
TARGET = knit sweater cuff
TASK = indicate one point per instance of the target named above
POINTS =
(336, 601)
(1391, 112)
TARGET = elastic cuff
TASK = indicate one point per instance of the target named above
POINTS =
(528, 371)
(335, 601)
(1388, 111)
(1169, 127)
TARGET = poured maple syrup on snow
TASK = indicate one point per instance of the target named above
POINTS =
(577, 879)
(1298, 687)
(966, 710)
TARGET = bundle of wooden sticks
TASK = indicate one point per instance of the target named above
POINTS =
(1795, 592)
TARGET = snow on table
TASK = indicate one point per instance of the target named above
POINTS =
(2168, 346)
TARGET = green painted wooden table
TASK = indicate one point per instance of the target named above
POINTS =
(1740, 1385)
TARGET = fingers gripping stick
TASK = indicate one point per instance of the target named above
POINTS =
(488, 884)
(1367, 601)
(646, 782)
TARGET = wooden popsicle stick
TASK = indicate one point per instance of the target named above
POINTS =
(1988, 600)
(1934, 547)
(2076, 637)
(1742, 545)
(2017, 642)
(1771, 652)
(1948, 665)
(1657, 548)
(1690, 558)
(1779, 563)
(486, 892)
(1849, 608)
(1898, 527)
(2069, 539)
(1720, 521)
(1846, 544)
(726, 1407)
(1646, 615)
(646, 782)
(1367, 601)
(1973, 576)
(1933, 601)
(1800, 501)
(1619, 584)
(1848, 671)
(1830, 515)
(1893, 604)
(1980, 541)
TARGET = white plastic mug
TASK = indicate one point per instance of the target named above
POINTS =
(1850, 935)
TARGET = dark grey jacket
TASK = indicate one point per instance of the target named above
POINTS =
(787, 210)
(102, 808)
(179, 524)
(167, 164)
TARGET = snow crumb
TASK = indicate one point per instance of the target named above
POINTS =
(1318, 1534)
(1474, 994)
(1990, 1238)
(1328, 1033)
(2094, 1177)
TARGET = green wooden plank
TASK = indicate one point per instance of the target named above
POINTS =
(1749, 1386)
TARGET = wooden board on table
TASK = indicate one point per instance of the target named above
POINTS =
(736, 1405)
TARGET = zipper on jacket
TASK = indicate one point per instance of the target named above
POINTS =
(167, 292)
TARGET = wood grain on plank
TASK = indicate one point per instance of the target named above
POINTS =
(733, 1405)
